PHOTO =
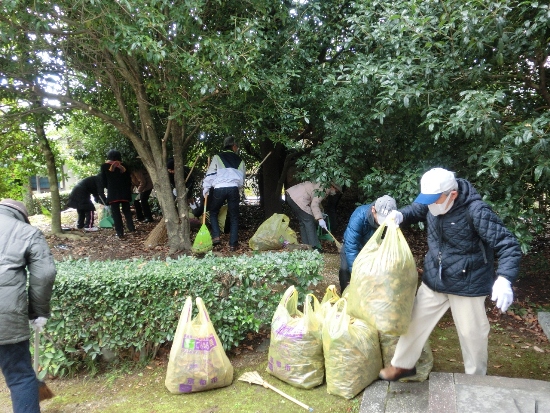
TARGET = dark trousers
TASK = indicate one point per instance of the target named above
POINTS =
(85, 219)
(16, 365)
(141, 205)
(330, 209)
(117, 217)
(344, 274)
(217, 198)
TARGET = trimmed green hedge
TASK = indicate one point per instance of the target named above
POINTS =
(133, 306)
(45, 201)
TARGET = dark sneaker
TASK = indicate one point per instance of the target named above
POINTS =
(216, 241)
(395, 373)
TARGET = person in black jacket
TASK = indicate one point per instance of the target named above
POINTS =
(116, 177)
(80, 199)
(464, 237)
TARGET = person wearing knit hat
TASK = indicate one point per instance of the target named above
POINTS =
(18, 206)
(27, 276)
(362, 224)
(80, 199)
(116, 177)
(465, 237)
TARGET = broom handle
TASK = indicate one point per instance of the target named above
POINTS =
(192, 167)
(206, 196)
(292, 399)
(36, 351)
(333, 237)
(204, 213)
(258, 167)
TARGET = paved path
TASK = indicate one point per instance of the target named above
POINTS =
(458, 393)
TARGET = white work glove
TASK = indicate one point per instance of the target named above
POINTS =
(38, 323)
(396, 216)
(205, 192)
(502, 293)
(323, 224)
(107, 208)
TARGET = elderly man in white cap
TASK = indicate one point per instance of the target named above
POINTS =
(25, 260)
(364, 221)
(464, 238)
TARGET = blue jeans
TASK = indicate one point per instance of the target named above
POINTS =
(217, 198)
(16, 365)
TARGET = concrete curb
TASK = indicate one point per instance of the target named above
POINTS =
(544, 321)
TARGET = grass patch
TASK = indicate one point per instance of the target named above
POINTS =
(143, 391)
(510, 355)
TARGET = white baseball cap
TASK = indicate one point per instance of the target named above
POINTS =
(434, 183)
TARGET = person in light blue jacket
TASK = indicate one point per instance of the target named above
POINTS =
(364, 221)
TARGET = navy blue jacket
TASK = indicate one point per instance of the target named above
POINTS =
(467, 268)
(360, 228)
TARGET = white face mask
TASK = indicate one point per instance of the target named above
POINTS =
(443, 208)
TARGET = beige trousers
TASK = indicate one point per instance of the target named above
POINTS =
(471, 324)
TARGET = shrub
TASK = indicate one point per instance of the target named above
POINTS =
(45, 201)
(133, 306)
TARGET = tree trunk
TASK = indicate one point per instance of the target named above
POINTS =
(270, 193)
(52, 175)
(27, 197)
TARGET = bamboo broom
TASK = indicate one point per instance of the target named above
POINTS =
(338, 245)
(44, 392)
(253, 377)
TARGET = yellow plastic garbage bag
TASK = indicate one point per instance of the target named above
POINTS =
(424, 364)
(352, 352)
(384, 281)
(296, 349)
(322, 308)
(273, 234)
(197, 360)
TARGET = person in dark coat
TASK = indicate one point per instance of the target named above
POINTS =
(80, 199)
(115, 176)
(464, 238)
(27, 276)
(362, 224)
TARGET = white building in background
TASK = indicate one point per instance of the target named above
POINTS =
(41, 184)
